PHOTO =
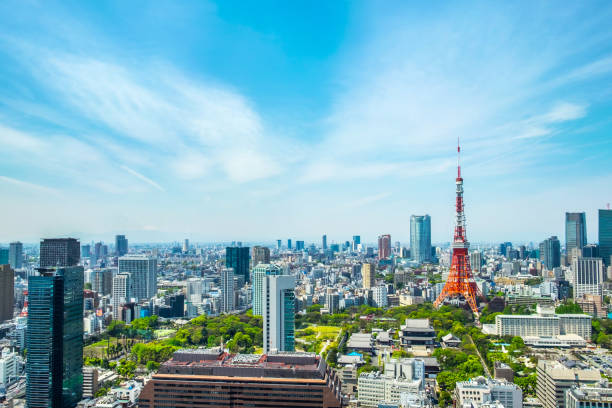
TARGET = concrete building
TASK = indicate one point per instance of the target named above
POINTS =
(90, 382)
(543, 324)
(261, 255)
(481, 390)
(16, 255)
(555, 378)
(259, 274)
(217, 379)
(368, 275)
(597, 396)
(227, 290)
(7, 295)
(8, 366)
(379, 296)
(384, 246)
(588, 275)
(102, 281)
(502, 371)
(143, 275)
(122, 292)
(59, 252)
(332, 301)
(401, 376)
(279, 313)
(121, 245)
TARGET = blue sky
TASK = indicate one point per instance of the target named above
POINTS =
(261, 120)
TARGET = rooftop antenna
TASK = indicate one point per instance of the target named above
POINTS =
(458, 154)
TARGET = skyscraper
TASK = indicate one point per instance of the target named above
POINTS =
(289, 244)
(261, 255)
(86, 251)
(122, 292)
(279, 313)
(59, 252)
(588, 276)
(575, 233)
(324, 242)
(121, 245)
(4, 256)
(476, 261)
(278, 244)
(143, 275)
(384, 246)
(550, 252)
(259, 275)
(7, 295)
(16, 255)
(368, 275)
(299, 245)
(605, 236)
(102, 281)
(227, 290)
(356, 242)
(185, 246)
(238, 258)
(54, 338)
(420, 238)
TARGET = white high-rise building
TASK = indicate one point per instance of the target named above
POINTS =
(227, 290)
(143, 273)
(8, 366)
(259, 274)
(588, 275)
(544, 324)
(194, 290)
(476, 261)
(121, 293)
(279, 313)
(185, 245)
(379, 296)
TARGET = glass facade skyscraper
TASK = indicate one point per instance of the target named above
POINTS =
(259, 275)
(605, 236)
(575, 232)
(238, 258)
(54, 338)
(550, 252)
(279, 313)
(420, 238)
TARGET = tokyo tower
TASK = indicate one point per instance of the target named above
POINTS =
(460, 281)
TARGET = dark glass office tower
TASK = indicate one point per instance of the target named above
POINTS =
(59, 252)
(238, 258)
(121, 245)
(575, 231)
(54, 338)
(605, 235)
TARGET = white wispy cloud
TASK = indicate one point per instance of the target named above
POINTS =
(143, 178)
(29, 186)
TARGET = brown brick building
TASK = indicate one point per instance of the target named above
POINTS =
(211, 378)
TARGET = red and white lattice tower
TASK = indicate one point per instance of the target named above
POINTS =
(460, 281)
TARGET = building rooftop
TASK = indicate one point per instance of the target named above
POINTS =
(566, 372)
(417, 324)
(216, 362)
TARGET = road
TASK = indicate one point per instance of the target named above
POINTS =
(484, 365)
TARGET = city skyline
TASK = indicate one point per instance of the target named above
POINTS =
(338, 118)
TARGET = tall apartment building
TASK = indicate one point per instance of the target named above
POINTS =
(143, 275)
(368, 275)
(588, 276)
(121, 245)
(324, 242)
(605, 236)
(261, 255)
(102, 281)
(279, 313)
(7, 295)
(476, 261)
(379, 296)
(122, 292)
(212, 378)
(481, 390)
(54, 338)
(16, 255)
(550, 252)
(90, 382)
(384, 246)
(420, 238)
(59, 252)
(259, 274)
(332, 300)
(227, 290)
(238, 258)
(554, 379)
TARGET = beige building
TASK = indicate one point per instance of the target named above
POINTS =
(368, 275)
(554, 378)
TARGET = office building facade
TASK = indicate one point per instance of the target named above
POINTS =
(227, 290)
(143, 275)
(575, 232)
(54, 338)
(605, 236)
(259, 274)
(238, 258)
(16, 255)
(121, 245)
(550, 252)
(324, 242)
(279, 313)
(7, 294)
(368, 275)
(420, 238)
(59, 252)
(588, 276)
(555, 378)
(122, 293)
(261, 255)
(384, 246)
(481, 390)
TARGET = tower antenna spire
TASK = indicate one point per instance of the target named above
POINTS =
(458, 157)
